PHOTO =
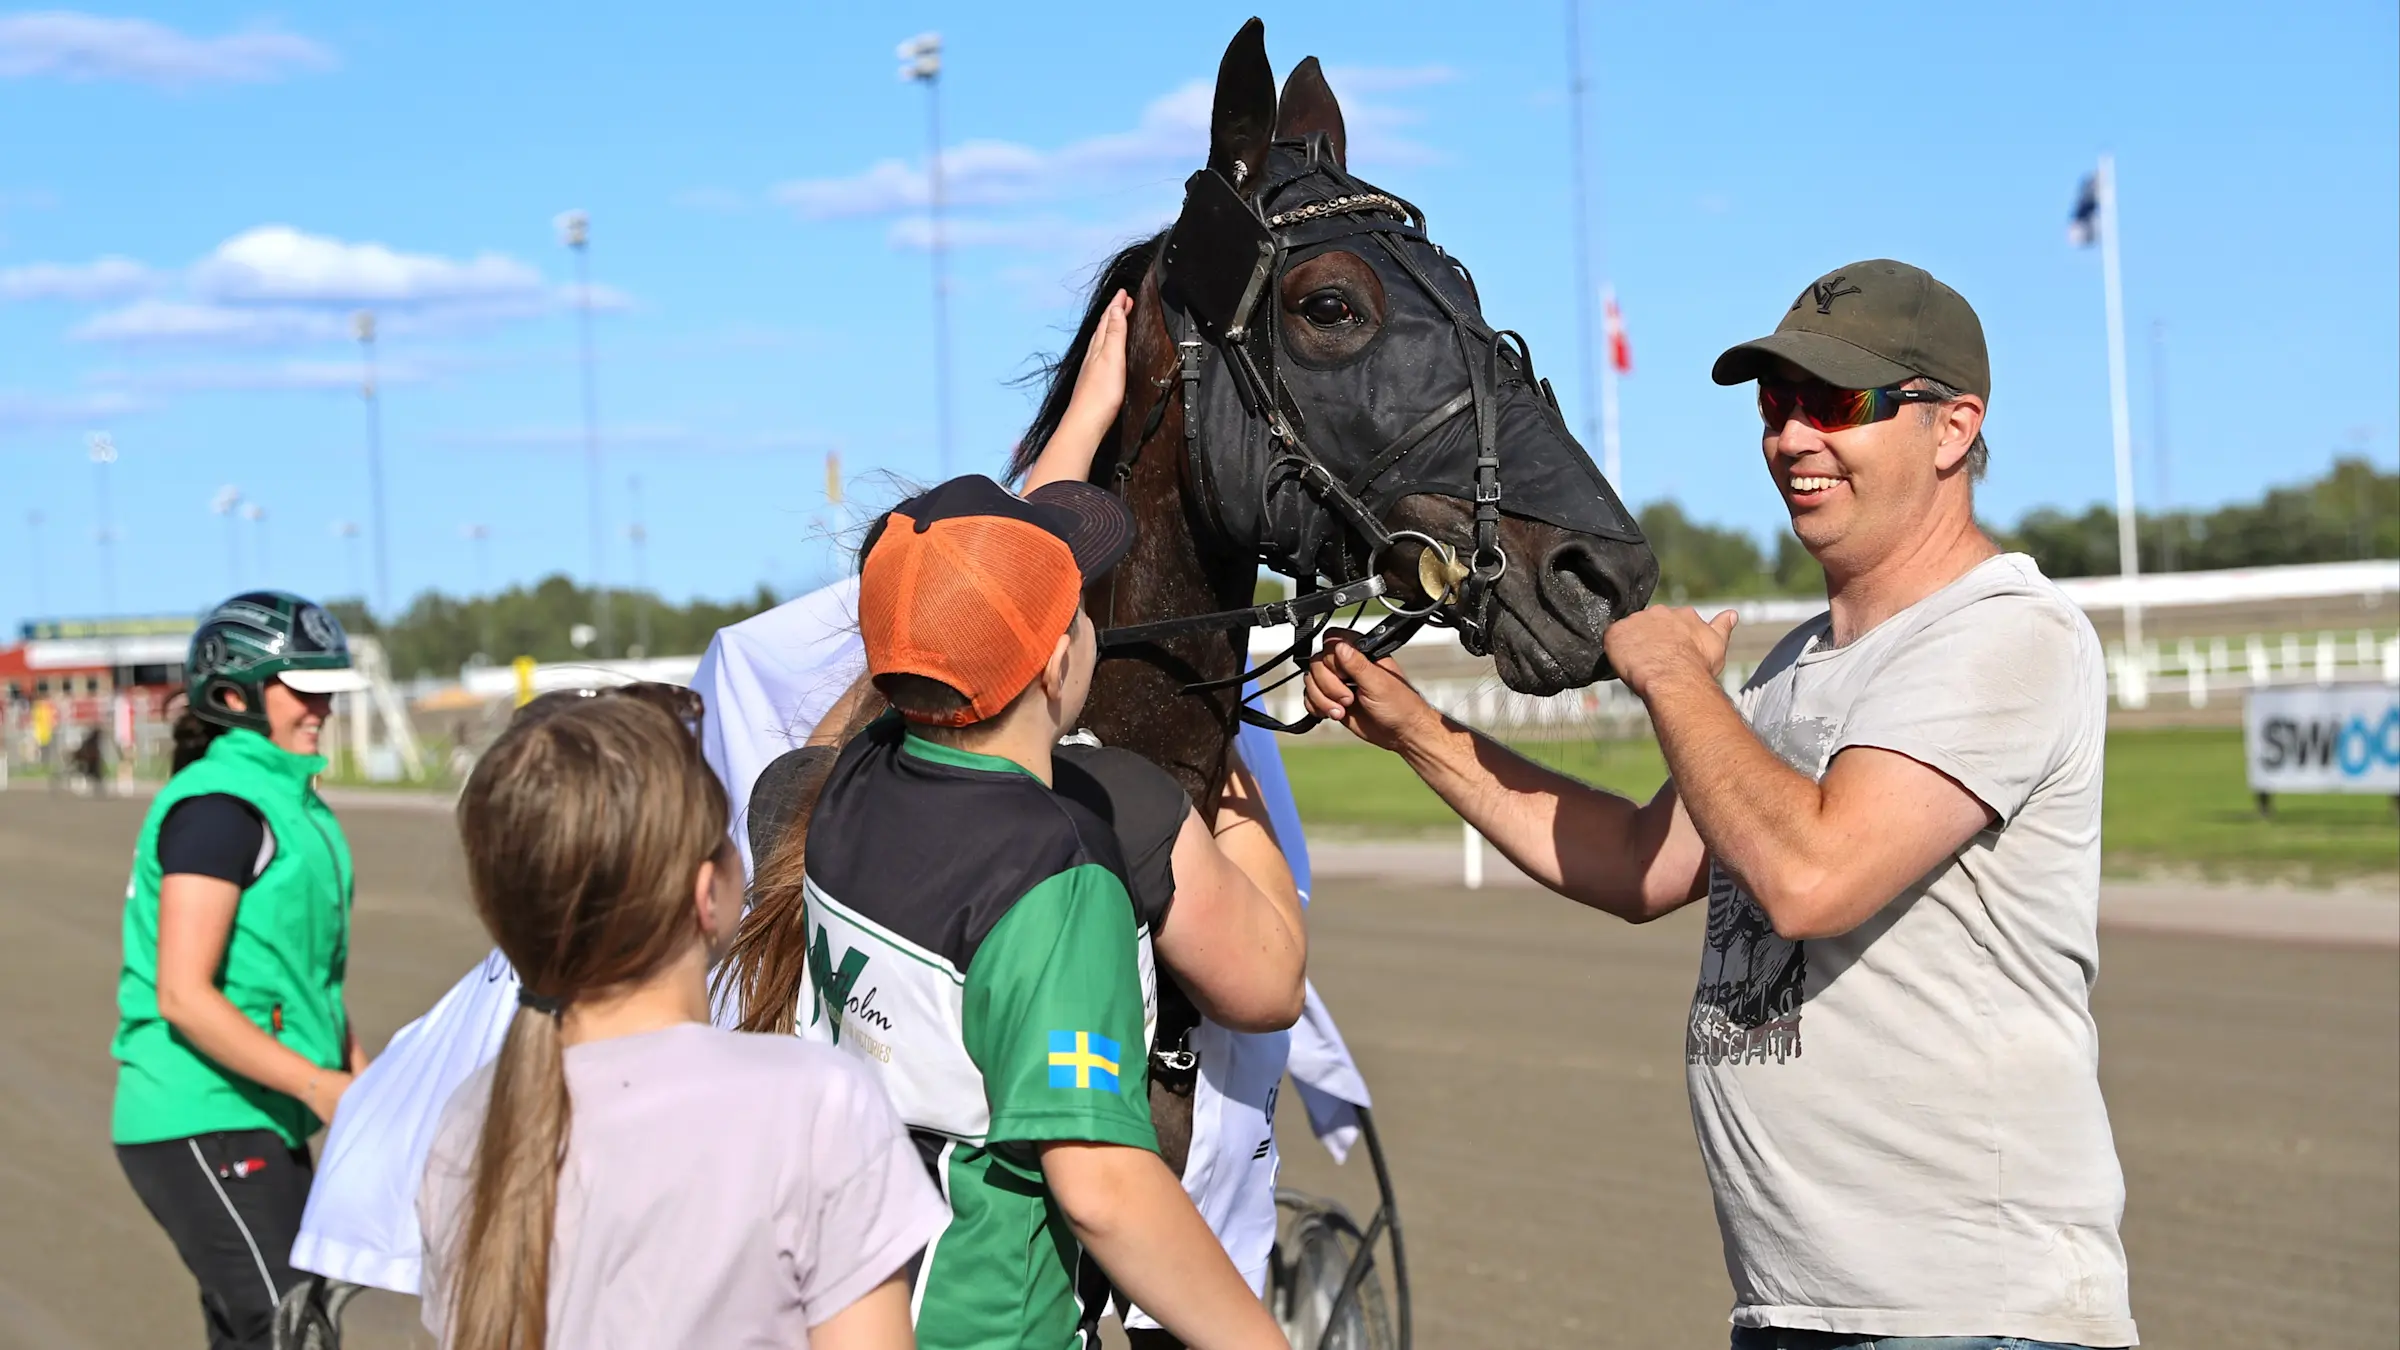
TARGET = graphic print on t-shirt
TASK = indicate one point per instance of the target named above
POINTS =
(1753, 981)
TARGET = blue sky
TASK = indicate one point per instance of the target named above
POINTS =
(193, 199)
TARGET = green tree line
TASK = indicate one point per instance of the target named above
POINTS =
(2353, 511)
(438, 634)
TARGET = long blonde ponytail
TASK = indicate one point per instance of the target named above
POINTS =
(584, 826)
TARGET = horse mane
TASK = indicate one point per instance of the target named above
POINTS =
(1124, 272)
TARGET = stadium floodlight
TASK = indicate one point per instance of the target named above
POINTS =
(363, 325)
(921, 63)
(575, 231)
(480, 535)
(921, 57)
(103, 451)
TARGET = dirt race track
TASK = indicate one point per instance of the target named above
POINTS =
(1526, 1058)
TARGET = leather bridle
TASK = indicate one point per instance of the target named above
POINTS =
(1210, 300)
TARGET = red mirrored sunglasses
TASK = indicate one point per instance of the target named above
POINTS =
(1827, 408)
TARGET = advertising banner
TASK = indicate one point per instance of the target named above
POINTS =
(2323, 738)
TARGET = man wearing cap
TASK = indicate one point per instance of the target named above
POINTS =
(972, 939)
(1896, 823)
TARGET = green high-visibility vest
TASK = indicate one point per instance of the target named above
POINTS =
(284, 960)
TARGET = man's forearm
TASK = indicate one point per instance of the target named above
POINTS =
(1588, 844)
(1756, 812)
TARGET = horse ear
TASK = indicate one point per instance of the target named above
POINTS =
(1243, 121)
(1309, 106)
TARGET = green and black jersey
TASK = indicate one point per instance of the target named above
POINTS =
(971, 938)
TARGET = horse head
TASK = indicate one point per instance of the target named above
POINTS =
(1311, 384)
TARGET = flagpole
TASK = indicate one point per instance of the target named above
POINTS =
(2129, 560)
(1584, 290)
(1611, 462)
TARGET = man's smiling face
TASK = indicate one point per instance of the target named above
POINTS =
(1858, 493)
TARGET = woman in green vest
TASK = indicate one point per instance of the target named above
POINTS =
(233, 1046)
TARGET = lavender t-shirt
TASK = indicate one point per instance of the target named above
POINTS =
(719, 1189)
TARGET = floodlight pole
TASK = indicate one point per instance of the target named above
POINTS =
(2129, 556)
(575, 228)
(2158, 442)
(33, 536)
(348, 530)
(257, 516)
(638, 535)
(363, 323)
(103, 451)
(481, 537)
(227, 503)
(1599, 379)
(921, 62)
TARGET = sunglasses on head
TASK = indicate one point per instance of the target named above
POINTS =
(1826, 408)
(684, 705)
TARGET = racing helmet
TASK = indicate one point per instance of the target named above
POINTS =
(259, 636)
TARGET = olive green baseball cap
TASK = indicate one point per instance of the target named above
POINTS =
(1872, 325)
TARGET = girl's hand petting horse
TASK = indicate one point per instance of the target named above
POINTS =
(1092, 409)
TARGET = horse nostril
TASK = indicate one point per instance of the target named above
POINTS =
(1576, 586)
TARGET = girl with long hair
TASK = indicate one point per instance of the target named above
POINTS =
(625, 1173)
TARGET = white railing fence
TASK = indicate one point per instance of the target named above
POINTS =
(2191, 671)
(2197, 669)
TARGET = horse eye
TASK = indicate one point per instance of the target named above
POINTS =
(1326, 309)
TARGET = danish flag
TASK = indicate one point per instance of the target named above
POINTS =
(1612, 324)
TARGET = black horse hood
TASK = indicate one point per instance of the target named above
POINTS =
(1416, 381)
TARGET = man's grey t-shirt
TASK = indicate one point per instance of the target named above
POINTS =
(719, 1189)
(1903, 1125)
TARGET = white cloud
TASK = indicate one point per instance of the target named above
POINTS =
(181, 321)
(915, 233)
(279, 263)
(605, 299)
(715, 200)
(1350, 83)
(71, 46)
(276, 285)
(1168, 140)
(110, 278)
(272, 374)
(26, 412)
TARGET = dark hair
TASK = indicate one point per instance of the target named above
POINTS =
(763, 967)
(920, 698)
(1124, 272)
(584, 825)
(192, 739)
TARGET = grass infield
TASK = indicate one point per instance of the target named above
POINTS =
(2176, 802)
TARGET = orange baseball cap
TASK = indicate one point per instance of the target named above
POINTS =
(972, 585)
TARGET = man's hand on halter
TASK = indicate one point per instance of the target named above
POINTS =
(1092, 408)
(1372, 698)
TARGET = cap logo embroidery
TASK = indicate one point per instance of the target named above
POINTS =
(318, 627)
(1826, 292)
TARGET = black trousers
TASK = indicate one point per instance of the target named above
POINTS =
(231, 1203)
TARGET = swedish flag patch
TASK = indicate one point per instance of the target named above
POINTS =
(1083, 1059)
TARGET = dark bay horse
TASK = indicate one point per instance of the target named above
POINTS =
(1310, 384)
(1366, 341)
